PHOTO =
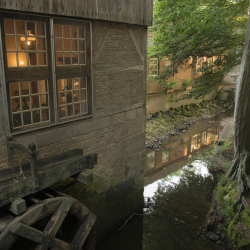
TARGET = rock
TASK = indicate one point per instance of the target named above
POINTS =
(172, 133)
(159, 115)
(218, 232)
(225, 198)
(178, 134)
(218, 242)
(213, 237)
(183, 131)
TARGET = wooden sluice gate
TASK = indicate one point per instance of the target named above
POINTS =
(35, 216)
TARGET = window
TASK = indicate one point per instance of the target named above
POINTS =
(170, 67)
(153, 67)
(209, 61)
(199, 64)
(48, 77)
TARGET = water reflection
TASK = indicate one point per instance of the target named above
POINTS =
(180, 147)
(176, 208)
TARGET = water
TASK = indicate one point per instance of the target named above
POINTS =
(177, 193)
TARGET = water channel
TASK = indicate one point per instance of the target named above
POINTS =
(177, 192)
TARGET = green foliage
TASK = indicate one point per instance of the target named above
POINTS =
(186, 82)
(226, 195)
(168, 84)
(187, 29)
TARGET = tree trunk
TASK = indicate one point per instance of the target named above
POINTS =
(240, 168)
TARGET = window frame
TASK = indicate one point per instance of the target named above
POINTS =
(50, 72)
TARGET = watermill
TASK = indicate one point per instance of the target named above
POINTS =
(35, 216)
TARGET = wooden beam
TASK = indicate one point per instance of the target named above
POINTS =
(10, 152)
(7, 174)
(33, 165)
(55, 222)
(46, 179)
(84, 231)
(136, 45)
(19, 147)
(28, 232)
(61, 245)
(100, 48)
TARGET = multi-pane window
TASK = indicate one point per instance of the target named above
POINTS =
(29, 102)
(72, 96)
(70, 45)
(170, 67)
(153, 67)
(199, 64)
(209, 61)
(25, 43)
(37, 94)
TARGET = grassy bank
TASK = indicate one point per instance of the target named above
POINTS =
(234, 227)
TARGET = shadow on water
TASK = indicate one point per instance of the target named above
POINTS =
(177, 193)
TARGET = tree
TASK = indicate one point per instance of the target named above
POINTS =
(196, 28)
(240, 169)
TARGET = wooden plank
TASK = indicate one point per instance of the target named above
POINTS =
(28, 232)
(10, 153)
(90, 8)
(84, 231)
(140, 12)
(16, 4)
(35, 6)
(136, 45)
(61, 245)
(46, 179)
(100, 48)
(33, 165)
(103, 11)
(69, 8)
(94, 9)
(82, 10)
(25, 5)
(127, 11)
(148, 12)
(55, 222)
(58, 7)
(47, 6)
(19, 147)
(6, 174)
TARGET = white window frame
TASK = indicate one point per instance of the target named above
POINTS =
(153, 67)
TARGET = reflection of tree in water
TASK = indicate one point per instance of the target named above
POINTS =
(177, 213)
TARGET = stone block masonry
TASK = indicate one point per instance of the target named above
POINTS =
(116, 131)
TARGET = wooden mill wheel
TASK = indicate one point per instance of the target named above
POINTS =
(60, 223)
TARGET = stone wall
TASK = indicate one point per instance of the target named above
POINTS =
(164, 102)
(116, 132)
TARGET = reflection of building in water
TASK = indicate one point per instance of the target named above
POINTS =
(165, 156)
(150, 160)
(177, 150)
(203, 138)
(195, 142)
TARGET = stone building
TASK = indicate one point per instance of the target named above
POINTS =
(73, 74)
